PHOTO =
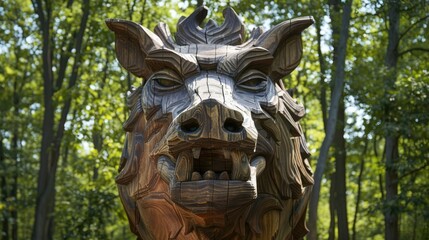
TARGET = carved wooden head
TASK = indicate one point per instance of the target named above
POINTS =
(214, 149)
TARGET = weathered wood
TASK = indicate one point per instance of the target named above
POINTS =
(214, 149)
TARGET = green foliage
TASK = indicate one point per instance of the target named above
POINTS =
(87, 202)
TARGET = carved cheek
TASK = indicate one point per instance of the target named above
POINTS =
(149, 98)
(270, 98)
(175, 102)
(251, 101)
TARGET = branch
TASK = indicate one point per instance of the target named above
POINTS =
(130, 8)
(63, 62)
(414, 171)
(38, 8)
(380, 177)
(412, 26)
(74, 73)
(69, 3)
(359, 191)
(414, 49)
(412, 8)
(65, 56)
(367, 14)
(338, 78)
(142, 12)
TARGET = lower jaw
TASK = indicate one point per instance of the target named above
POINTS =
(213, 196)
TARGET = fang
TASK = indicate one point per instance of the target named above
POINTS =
(196, 152)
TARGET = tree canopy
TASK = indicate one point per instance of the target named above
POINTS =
(363, 79)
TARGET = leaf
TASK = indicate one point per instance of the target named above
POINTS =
(9, 71)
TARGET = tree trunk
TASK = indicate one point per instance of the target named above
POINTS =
(4, 190)
(391, 215)
(340, 175)
(391, 136)
(322, 63)
(45, 191)
(332, 208)
(359, 192)
(200, 3)
(338, 79)
(51, 140)
(15, 156)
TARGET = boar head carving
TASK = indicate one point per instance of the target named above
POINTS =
(213, 149)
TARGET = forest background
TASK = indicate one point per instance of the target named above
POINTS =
(364, 80)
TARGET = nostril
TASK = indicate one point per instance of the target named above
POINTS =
(190, 125)
(232, 125)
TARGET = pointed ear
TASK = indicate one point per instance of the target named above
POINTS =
(133, 43)
(284, 43)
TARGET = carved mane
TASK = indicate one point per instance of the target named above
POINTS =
(231, 32)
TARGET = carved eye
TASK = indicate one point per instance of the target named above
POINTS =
(253, 80)
(166, 81)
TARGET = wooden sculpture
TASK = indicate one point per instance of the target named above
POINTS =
(214, 149)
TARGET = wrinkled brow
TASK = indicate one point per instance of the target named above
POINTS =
(232, 65)
(185, 65)
(253, 58)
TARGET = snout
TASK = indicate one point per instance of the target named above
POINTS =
(215, 119)
(211, 156)
(211, 120)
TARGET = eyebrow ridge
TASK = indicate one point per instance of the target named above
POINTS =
(256, 57)
(183, 64)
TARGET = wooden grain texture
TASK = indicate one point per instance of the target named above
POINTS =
(214, 148)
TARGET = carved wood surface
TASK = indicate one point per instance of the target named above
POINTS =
(214, 149)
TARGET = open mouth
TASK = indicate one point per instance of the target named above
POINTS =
(212, 164)
(198, 164)
(211, 179)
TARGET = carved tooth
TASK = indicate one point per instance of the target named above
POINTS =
(184, 166)
(226, 153)
(240, 166)
(259, 163)
(209, 175)
(224, 176)
(196, 176)
(196, 152)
